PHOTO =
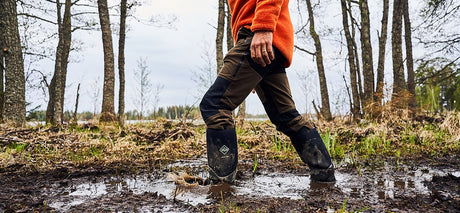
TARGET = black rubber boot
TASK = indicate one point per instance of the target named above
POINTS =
(222, 154)
(312, 151)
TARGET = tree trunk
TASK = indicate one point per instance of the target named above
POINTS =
(230, 40)
(355, 100)
(220, 35)
(121, 62)
(355, 50)
(75, 111)
(2, 74)
(51, 116)
(66, 41)
(409, 58)
(54, 112)
(51, 92)
(396, 46)
(368, 70)
(325, 109)
(381, 61)
(15, 104)
(108, 111)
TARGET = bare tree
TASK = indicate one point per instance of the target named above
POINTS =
(156, 97)
(325, 108)
(409, 57)
(205, 75)
(230, 40)
(144, 88)
(396, 44)
(382, 45)
(121, 62)
(308, 88)
(45, 17)
(2, 74)
(220, 35)
(108, 111)
(14, 110)
(355, 99)
(436, 32)
(95, 94)
(54, 112)
(366, 47)
(77, 98)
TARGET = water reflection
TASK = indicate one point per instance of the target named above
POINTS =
(374, 185)
(221, 191)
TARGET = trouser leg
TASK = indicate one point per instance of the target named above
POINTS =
(233, 84)
(275, 95)
(235, 81)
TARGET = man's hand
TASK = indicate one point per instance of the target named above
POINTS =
(262, 49)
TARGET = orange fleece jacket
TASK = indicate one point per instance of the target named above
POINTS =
(270, 15)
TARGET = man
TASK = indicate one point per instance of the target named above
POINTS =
(264, 48)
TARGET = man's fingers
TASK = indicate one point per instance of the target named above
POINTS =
(262, 51)
(266, 57)
(253, 52)
(259, 57)
(271, 55)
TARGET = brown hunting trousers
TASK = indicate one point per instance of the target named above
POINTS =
(238, 76)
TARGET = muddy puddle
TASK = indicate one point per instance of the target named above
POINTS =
(375, 186)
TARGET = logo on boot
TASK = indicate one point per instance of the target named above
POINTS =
(224, 149)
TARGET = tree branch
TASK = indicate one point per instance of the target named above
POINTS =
(37, 54)
(304, 50)
(36, 17)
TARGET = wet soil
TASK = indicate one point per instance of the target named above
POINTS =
(383, 186)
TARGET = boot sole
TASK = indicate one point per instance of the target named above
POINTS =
(216, 178)
(323, 175)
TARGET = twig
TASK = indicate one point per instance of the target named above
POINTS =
(304, 50)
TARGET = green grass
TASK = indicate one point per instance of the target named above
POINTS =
(276, 142)
(230, 208)
(95, 151)
(17, 147)
(335, 149)
(344, 205)
(255, 164)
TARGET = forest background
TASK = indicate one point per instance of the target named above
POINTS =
(351, 58)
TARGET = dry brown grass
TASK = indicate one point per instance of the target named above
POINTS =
(146, 146)
(401, 133)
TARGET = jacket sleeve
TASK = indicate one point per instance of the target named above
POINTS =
(266, 15)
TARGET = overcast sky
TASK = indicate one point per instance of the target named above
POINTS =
(173, 54)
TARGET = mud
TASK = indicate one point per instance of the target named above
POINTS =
(378, 187)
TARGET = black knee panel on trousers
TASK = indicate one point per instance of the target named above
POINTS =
(211, 102)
